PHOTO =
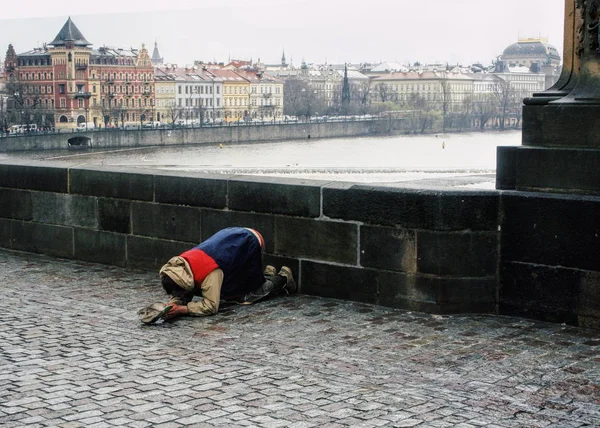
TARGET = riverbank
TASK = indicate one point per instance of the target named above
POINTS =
(186, 136)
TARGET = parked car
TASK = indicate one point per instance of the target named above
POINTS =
(86, 126)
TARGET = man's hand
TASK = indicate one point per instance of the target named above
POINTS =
(176, 310)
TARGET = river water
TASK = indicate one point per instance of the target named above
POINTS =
(464, 160)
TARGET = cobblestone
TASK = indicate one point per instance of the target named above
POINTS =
(72, 353)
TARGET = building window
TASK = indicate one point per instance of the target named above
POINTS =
(61, 88)
(63, 103)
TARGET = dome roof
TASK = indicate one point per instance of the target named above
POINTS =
(531, 48)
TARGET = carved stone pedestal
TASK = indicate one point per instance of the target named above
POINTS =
(550, 217)
(561, 127)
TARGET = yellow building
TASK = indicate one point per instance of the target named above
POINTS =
(165, 86)
(236, 94)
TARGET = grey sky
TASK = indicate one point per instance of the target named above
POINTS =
(457, 31)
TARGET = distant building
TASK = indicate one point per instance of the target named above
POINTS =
(236, 94)
(157, 60)
(67, 82)
(188, 94)
(427, 85)
(535, 54)
(266, 95)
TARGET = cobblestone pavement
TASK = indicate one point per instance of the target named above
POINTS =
(74, 354)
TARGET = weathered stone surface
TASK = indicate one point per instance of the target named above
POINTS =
(85, 359)
(316, 240)
(112, 184)
(100, 247)
(198, 190)
(172, 222)
(42, 238)
(114, 215)
(5, 236)
(506, 168)
(551, 230)
(343, 282)
(64, 209)
(437, 294)
(388, 248)
(15, 204)
(462, 254)
(152, 253)
(214, 220)
(588, 311)
(558, 170)
(34, 177)
(542, 292)
(413, 209)
(276, 195)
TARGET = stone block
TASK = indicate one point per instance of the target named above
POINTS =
(540, 292)
(317, 240)
(407, 208)
(588, 303)
(34, 177)
(112, 184)
(552, 230)
(197, 191)
(64, 209)
(15, 204)
(173, 222)
(339, 282)
(42, 238)
(462, 254)
(276, 195)
(437, 294)
(562, 125)
(100, 247)
(388, 248)
(506, 168)
(214, 220)
(152, 253)
(5, 233)
(552, 170)
(114, 215)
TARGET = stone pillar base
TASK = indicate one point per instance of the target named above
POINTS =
(549, 169)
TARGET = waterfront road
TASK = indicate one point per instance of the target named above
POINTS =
(73, 353)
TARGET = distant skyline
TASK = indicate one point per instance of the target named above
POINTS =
(333, 31)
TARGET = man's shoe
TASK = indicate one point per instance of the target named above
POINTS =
(270, 270)
(290, 286)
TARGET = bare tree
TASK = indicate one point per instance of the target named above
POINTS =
(301, 99)
(445, 100)
(423, 112)
(174, 113)
(505, 96)
(24, 99)
(385, 93)
(363, 96)
(485, 107)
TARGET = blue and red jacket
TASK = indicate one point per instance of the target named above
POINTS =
(237, 251)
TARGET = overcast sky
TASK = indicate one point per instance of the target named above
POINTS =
(336, 31)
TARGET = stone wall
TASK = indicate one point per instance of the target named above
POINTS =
(427, 251)
(550, 265)
(181, 136)
(509, 252)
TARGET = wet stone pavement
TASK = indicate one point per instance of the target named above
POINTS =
(72, 353)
